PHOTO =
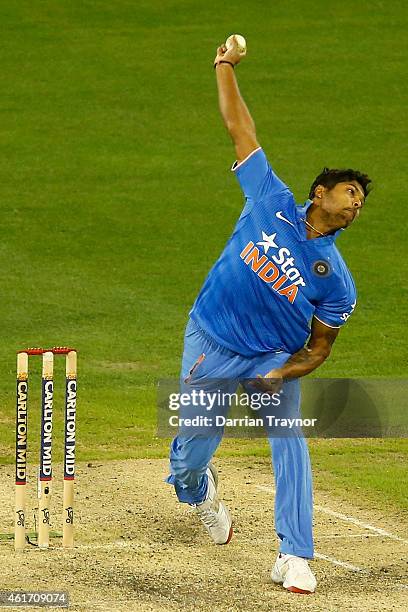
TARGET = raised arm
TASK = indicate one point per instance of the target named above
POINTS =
(234, 111)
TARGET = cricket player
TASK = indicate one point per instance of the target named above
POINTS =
(270, 309)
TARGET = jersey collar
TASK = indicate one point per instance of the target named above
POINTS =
(301, 214)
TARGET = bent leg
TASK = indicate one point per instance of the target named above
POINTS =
(213, 369)
(189, 459)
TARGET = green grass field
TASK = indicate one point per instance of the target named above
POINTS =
(117, 197)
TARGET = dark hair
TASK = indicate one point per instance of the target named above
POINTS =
(329, 178)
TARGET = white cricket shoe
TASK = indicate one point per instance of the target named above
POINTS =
(212, 512)
(294, 574)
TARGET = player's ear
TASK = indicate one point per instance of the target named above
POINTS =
(319, 191)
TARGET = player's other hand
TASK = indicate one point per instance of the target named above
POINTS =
(229, 55)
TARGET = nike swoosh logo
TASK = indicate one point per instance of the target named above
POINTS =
(282, 218)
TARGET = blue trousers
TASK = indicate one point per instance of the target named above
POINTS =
(207, 365)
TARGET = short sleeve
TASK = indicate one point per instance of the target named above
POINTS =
(256, 177)
(335, 310)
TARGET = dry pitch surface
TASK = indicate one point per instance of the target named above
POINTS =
(138, 549)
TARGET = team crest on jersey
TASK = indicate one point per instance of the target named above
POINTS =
(321, 268)
(277, 270)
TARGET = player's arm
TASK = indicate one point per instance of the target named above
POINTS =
(313, 355)
(234, 111)
(304, 361)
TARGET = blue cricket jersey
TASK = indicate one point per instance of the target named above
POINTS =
(270, 280)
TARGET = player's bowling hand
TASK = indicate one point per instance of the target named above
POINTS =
(228, 55)
(270, 383)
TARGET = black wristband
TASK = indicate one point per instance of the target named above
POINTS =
(224, 62)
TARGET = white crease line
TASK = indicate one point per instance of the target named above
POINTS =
(84, 547)
(354, 568)
(377, 533)
(111, 545)
(359, 523)
(106, 605)
(348, 566)
(344, 517)
(265, 488)
(317, 538)
(349, 535)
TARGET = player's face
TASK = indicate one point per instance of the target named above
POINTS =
(343, 202)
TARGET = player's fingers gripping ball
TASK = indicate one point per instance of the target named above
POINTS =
(238, 42)
(233, 50)
(236, 47)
